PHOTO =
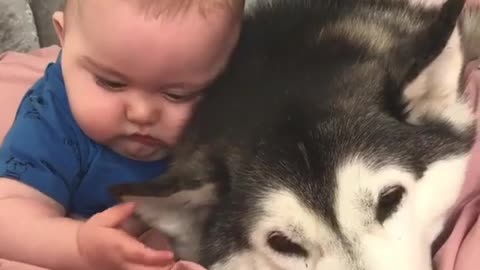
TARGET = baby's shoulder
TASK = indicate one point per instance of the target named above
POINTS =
(44, 121)
(44, 109)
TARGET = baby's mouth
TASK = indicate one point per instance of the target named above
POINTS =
(146, 139)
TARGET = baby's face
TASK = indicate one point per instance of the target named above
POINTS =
(132, 81)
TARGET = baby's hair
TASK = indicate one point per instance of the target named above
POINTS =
(156, 8)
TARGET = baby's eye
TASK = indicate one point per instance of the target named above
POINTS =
(181, 98)
(108, 84)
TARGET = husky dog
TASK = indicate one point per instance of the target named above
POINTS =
(337, 139)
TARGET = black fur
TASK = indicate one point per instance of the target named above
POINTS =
(292, 107)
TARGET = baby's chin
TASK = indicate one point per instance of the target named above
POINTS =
(142, 153)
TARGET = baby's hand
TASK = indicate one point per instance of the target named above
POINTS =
(104, 246)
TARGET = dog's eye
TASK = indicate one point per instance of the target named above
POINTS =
(282, 244)
(388, 202)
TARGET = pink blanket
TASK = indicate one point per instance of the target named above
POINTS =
(459, 251)
(19, 71)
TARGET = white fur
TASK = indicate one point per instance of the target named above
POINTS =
(376, 37)
(434, 94)
(180, 216)
(427, 3)
(441, 184)
(251, 5)
(241, 261)
(402, 242)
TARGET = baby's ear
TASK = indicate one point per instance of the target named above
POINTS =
(177, 204)
(426, 70)
(59, 25)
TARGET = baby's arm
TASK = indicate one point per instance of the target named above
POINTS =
(42, 162)
(34, 229)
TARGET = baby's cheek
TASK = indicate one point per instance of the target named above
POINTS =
(176, 118)
(98, 131)
(100, 118)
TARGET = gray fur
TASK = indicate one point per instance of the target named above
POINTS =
(315, 90)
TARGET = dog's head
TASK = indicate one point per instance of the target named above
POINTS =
(337, 139)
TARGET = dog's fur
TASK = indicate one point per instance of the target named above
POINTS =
(336, 139)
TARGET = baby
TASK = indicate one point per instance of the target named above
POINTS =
(106, 112)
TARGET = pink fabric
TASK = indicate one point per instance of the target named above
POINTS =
(19, 71)
(461, 251)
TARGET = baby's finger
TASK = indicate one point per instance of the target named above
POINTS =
(114, 216)
(134, 251)
(148, 267)
(156, 257)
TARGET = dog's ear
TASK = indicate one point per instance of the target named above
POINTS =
(425, 72)
(176, 203)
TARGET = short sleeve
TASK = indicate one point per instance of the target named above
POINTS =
(40, 150)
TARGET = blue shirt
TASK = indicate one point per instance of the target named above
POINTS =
(47, 150)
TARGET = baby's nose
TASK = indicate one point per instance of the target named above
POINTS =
(141, 113)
